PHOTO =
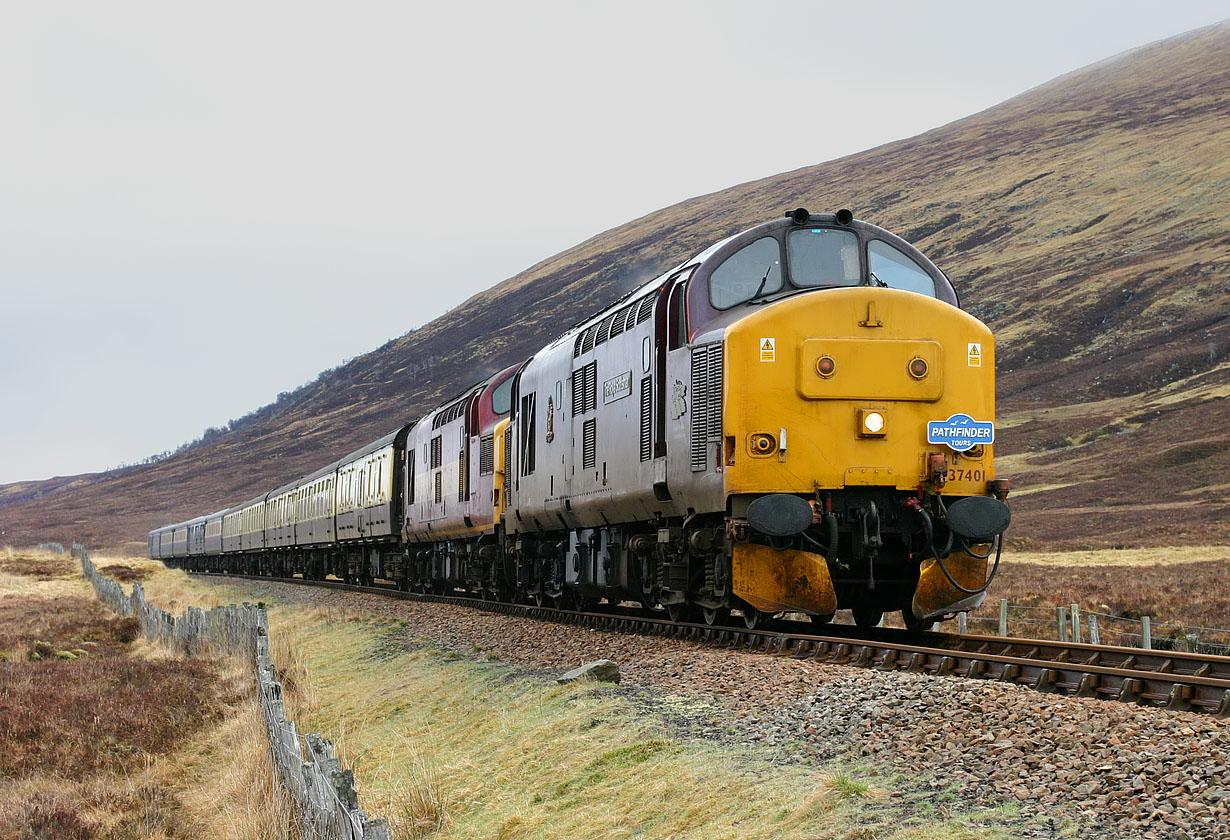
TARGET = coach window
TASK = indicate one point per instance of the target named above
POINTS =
(824, 257)
(894, 269)
(750, 272)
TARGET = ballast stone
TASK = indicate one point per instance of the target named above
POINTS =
(602, 670)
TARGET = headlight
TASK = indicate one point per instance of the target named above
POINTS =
(872, 422)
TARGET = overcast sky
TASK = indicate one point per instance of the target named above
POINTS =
(191, 195)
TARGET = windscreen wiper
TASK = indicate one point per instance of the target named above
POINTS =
(763, 280)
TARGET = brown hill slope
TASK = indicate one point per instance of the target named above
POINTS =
(1085, 220)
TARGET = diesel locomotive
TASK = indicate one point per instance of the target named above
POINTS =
(798, 419)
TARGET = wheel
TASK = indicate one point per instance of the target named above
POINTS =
(820, 618)
(752, 617)
(541, 599)
(677, 612)
(916, 625)
(867, 616)
(714, 615)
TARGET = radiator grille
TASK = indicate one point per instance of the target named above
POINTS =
(486, 455)
(646, 308)
(437, 452)
(706, 403)
(589, 444)
(463, 476)
(646, 418)
(439, 487)
(585, 389)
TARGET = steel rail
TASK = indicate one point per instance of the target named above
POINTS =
(1166, 679)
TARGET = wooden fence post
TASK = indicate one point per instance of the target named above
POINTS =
(1076, 623)
(1146, 632)
(1003, 616)
(1095, 638)
(1061, 615)
(963, 622)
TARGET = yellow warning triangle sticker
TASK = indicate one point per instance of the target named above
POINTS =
(768, 344)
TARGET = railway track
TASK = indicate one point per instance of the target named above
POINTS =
(1165, 679)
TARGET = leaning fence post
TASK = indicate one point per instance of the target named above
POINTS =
(1061, 615)
(1003, 616)
(1146, 632)
(1076, 623)
(1095, 638)
(1193, 643)
(962, 623)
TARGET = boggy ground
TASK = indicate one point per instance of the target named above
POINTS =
(104, 737)
(1179, 588)
(903, 755)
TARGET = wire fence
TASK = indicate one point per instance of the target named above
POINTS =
(326, 805)
(1072, 623)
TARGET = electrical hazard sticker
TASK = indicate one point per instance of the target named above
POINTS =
(974, 354)
(768, 349)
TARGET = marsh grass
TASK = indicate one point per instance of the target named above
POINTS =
(104, 736)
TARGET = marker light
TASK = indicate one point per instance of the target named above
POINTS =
(872, 422)
(918, 367)
(825, 366)
(762, 444)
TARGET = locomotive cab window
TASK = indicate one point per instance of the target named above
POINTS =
(890, 267)
(501, 397)
(824, 257)
(748, 273)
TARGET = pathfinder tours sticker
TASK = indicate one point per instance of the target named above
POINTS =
(960, 432)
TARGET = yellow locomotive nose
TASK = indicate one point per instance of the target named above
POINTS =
(862, 379)
(857, 375)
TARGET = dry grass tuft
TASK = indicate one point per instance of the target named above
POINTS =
(418, 801)
(243, 800)
(40, 565)
(107, 738)
(67, 623)
(43, 814)
(1173, 593)
(124, 574)
(286, 651)
(72, 718)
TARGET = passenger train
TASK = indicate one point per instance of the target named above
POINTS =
(798, 419)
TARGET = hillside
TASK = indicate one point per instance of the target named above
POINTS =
(1085, 220)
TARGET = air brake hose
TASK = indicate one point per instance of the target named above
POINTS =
(999, 547)
(829, 551)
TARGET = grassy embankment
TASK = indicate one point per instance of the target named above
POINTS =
(105, 737)
(452, 744)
